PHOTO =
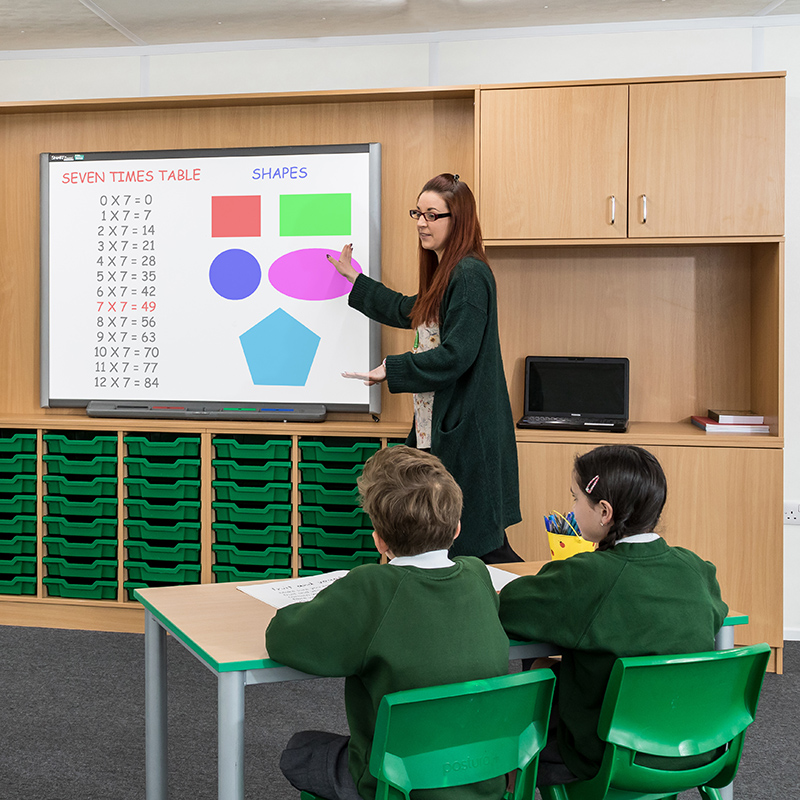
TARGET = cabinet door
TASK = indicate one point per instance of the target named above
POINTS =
(706, 158)
(722, 503)
(553, 162)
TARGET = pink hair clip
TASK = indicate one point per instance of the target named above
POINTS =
(592, 483)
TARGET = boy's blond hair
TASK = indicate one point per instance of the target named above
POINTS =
(413, 501)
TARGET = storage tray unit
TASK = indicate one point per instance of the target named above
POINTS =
(252, 507)
(335, 532)
(17, 512)
(162, 510)
(80, 522)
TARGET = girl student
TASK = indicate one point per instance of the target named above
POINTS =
(633, 595)
(462, 413)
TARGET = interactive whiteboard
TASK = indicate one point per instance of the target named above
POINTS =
(201, 275)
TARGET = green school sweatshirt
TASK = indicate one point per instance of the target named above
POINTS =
(636, 599)
(388, 628)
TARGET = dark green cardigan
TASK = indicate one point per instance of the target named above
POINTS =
(389, 628)
(472, 427)
(636, 599)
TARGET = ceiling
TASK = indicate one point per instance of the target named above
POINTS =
(79, 24)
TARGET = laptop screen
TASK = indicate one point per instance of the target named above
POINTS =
(568, 386)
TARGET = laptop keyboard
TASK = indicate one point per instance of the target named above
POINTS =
(535, 419)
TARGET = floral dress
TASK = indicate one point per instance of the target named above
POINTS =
(427, 338)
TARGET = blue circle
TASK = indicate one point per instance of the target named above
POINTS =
(235, 274)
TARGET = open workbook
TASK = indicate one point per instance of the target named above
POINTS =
(300, 590)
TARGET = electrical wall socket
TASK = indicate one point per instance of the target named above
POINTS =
(791, 513)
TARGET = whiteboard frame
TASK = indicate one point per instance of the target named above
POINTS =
(373, 406)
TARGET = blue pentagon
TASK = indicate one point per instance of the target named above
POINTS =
(279, 350)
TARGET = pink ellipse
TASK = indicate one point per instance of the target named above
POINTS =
(308, 275)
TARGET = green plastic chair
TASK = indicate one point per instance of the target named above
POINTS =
(672, 723)
(441, 736)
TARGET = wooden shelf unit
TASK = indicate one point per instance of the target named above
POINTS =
(695, 302)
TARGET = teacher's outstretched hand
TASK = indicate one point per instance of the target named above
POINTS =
(344, 264)
(377, 375)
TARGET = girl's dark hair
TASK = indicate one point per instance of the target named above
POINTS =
(631, 480)
(465, 239)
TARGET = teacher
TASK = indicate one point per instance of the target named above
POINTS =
(462, 412)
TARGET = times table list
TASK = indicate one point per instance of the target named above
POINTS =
(126, 347)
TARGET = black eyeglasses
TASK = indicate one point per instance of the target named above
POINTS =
(430, 216)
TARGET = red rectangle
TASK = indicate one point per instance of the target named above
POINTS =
(236, 216)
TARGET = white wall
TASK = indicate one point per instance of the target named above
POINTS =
(457, 58)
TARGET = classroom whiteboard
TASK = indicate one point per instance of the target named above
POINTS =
(201, 275)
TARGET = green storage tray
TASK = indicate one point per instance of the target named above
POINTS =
(18, 546)
(359, 539)
(97, 466)
(73, 486)
(263, 557)
(60, 547)
(174, 446)
(131, 586)
(22, 584)
(252, 446)
(21, 524)
(181, 553)
(319, 473)
(178, 510)
(179, 469)
(98, 570)
(18, 565)
(180, 573)
(14, 464)
(233, 492)
(151, 531)
(356, 453)
(314, 558)
(275, 535)
(314, 494)
(24, 483)
(267, 514)
(82, 528)
(18, 504)
(317, 516)
(68, 507)
(17, 441)
(84, 445)
(93, 590)
(175, 490)
(266, 471)
(228, 574)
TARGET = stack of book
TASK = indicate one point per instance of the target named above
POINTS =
(719, 421)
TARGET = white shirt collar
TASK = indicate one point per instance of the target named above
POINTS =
(638, 537)
(433, 559)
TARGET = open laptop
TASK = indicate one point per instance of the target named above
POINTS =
(576, 394)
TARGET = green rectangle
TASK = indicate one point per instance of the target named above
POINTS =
(315, 215)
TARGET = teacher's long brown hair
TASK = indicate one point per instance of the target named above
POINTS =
(464, 240)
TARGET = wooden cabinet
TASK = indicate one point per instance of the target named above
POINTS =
(706, 158)
(702, 158)
(553, 162)
(723, 503)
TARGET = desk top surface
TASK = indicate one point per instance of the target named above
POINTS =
(225, 627)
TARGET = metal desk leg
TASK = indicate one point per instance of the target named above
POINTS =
(230, 735)
(724, 641)
(155, 691)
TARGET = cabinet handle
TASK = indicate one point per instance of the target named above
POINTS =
(644, 209)
(613, 209)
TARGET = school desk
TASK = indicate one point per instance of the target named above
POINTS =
(224, 628)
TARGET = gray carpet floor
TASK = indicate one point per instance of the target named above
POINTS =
(72, 722)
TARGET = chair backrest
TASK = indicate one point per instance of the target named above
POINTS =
(676, 722)
(441, 736)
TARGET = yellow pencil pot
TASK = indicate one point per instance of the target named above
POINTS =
(565, 546)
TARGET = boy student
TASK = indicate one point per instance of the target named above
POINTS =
(420, 620)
